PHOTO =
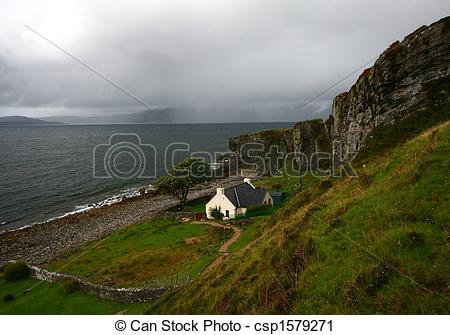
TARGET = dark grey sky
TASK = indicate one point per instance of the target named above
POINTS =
(246, 59)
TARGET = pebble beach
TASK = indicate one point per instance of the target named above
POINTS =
(40, 243)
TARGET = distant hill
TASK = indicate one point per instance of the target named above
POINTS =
(181, 115)
(169, 114)
(16, 120)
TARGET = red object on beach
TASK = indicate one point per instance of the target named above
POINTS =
(199, 216)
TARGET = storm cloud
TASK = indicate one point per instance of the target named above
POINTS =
(230, 60)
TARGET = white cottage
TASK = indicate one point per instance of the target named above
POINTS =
(235, 200)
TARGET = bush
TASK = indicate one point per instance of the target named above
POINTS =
(16, 271)
(69, 286)
(365, 180)
(325, 184)
(336, 223)
(8, 297)
(412, 239)
(277, 186)
(257, 208)
(216, 213)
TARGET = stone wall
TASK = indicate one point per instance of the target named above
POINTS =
(177, 215)
(125, 295)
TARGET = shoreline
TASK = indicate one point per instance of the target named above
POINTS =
(79, 209)
(40, 243)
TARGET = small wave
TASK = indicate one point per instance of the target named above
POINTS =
(114, 199)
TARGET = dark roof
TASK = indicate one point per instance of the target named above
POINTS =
(244, 195)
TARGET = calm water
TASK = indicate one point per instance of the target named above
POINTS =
(47, 171)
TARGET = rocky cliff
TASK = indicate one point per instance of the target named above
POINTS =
(403, 80)
(266, 149)
(310, 137)
(395, 87)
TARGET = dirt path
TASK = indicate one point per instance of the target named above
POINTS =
(223, 251)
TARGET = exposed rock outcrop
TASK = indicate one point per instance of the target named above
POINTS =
(264, 150)
(311, 137)
(268, 149)
(405, 78)
(394, 87)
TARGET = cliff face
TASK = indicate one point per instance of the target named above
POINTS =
(272, 146)
(266, 149)
(279, 137)
(311, 137)
(406, 77)
(394, 87)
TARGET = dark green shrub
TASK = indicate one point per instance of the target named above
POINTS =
(326, 184)
(69, 286)
(257, 208)
(16, 271)
(436, 281)
(336, 223)
(8, 297)
(412, 239)
(216, 213)
(277, 186)
(369, 281)
(364, 179)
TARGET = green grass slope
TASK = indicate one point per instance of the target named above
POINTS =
(160, 252)
(152, 254)
(44, 299)
(374, 244)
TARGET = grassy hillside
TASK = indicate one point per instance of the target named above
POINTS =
(378, 243)
(374, 244)
(384, 138)
(159, 252)
(47, 298)
(154, 253)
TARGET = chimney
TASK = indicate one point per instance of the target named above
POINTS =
(220, 191)
(248, 181)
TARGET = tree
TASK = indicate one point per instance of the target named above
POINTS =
(16, 271)
(185, 175)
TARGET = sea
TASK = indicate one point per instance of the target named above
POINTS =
(49, 171)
